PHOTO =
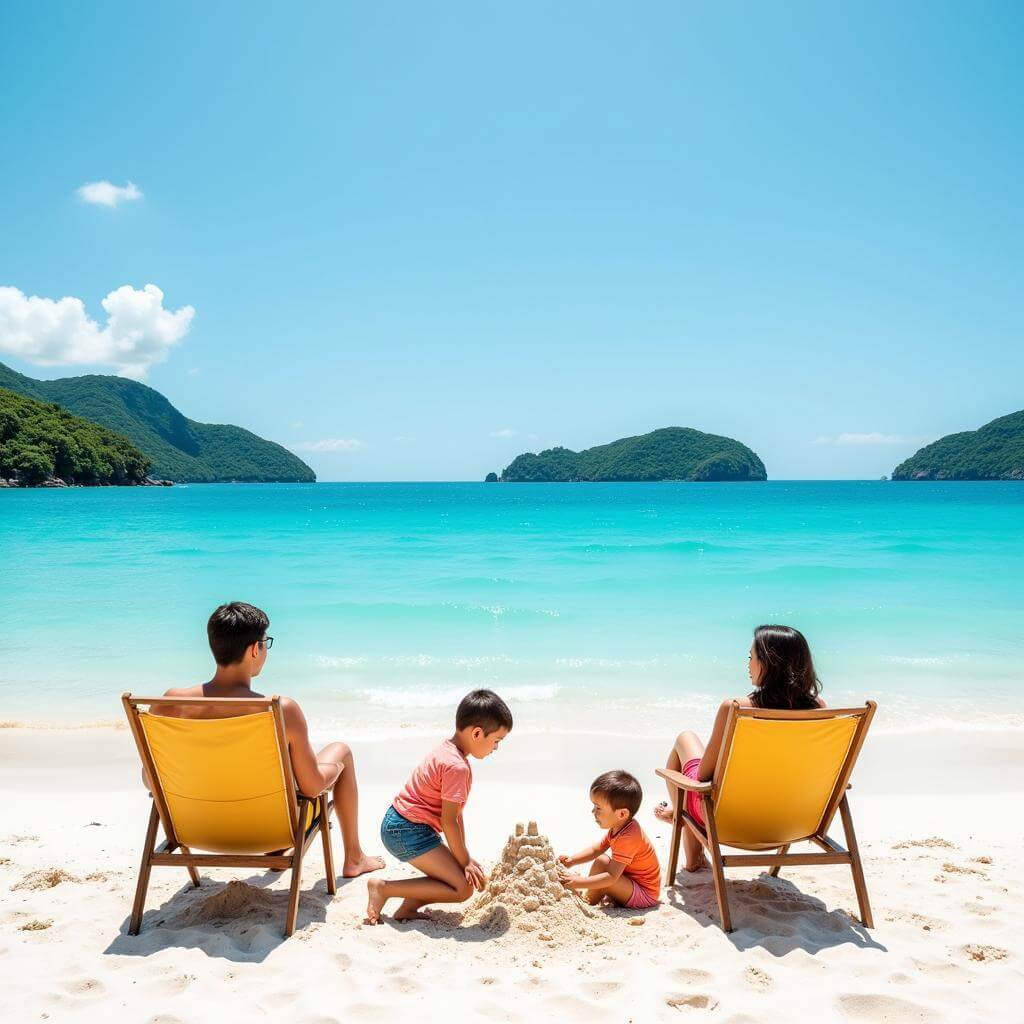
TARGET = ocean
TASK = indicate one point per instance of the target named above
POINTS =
(608, 608)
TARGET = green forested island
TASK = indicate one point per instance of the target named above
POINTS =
(39, 441)
(671, 453)
(992, 452)
(179, 449)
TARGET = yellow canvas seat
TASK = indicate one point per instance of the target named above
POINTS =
(779, 780)
(224, 786)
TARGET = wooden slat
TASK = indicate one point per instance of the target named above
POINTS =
(221, 860)
(680, 780)
(754, 860)
(235, 702)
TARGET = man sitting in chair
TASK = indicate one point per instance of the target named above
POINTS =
(239, 642)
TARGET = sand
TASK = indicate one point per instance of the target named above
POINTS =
(942, 863)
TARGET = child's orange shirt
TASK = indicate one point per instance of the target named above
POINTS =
(631, 848)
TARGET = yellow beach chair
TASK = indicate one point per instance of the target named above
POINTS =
(224, 785)
(780, 778)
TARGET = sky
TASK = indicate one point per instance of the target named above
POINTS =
(411, 241)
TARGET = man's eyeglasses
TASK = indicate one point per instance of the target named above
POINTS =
(268, 642)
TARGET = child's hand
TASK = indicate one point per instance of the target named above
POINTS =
(565, 860)
(475, 875)
(569, 880)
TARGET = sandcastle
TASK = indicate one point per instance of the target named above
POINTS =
(524, 892)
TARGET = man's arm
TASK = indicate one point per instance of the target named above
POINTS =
(312, 776)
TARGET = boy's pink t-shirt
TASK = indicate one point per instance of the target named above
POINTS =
(444, 774)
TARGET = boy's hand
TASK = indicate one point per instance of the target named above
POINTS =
(475, 875)
(565, 860)
(571, 881)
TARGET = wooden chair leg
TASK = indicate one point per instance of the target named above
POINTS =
(855, 865)
(783, 850)
(717, 867)
(293, 893)
(144, 869)
(677, 834)
(325, 834)
(193, 871)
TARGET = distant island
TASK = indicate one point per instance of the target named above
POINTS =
(992, 452)
(178, 448)
(671, 453)
(42, 444)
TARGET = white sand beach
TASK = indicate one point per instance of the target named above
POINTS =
(937, 815)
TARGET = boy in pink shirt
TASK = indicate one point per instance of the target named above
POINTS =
(431, 803)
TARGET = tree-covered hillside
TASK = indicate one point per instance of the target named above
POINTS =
(992, 452)
(672, 453)
(40, 440)
(179, 448)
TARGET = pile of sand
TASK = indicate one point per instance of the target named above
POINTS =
(524, 892)
(45, 879)
(230, 904)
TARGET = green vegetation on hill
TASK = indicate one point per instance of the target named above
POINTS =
(672, 453)
(992, 452)
(179, 448)
(40, 440)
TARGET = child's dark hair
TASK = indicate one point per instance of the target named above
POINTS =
(620, 789)
(483, 708)
(233, 628)
(788, 681)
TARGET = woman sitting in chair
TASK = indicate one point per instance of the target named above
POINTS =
(784, 679)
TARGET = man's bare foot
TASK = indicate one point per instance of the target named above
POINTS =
(663, 812)
(376, 900)
(361, 865)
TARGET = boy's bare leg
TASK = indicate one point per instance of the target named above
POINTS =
(688, 745)
(445, 883)
(620, 890)
(346, 807)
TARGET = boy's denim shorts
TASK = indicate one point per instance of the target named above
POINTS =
(406, 839)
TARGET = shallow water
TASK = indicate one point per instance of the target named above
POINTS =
(609, 607)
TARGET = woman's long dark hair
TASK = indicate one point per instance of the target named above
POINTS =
(788, 681)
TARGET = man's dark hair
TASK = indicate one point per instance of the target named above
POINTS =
(620, 789)
(485, 709)
(233, 628)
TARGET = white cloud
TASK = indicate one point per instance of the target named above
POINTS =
(330, 444)
(504, 432)
(194, 371)
(52, 332)
(106, 193)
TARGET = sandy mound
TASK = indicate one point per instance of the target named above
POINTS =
(45, 879)
(932, 842)
(234, 901)
(524, 893)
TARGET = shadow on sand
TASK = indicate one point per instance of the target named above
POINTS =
(771, 913)
(240, 920)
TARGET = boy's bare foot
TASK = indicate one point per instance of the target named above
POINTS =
(412, 913)
(376, 900)
(361, 865)
(663, 812)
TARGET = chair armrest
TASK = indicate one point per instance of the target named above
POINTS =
(682, 782)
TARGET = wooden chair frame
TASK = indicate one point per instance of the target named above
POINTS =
(832, 852)
(165, 856)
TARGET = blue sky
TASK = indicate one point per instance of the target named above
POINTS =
(429, 237)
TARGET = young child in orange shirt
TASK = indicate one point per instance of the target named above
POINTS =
(625, 867)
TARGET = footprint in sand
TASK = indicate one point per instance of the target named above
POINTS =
(691, 976)
(697, 1001)
(84, 987)
(876, 1007)
(758, 979)
(984, 954)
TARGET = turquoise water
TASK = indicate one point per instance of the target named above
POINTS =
(610, 607)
